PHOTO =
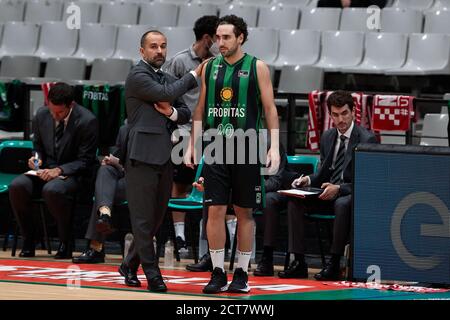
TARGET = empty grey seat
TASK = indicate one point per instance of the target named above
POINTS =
(12, 10)
(119, 13)
(441, 5)
(413, 4)
(253, 2)
(427, 54)
(355, 19)
(96, 40)
(300, 79)
(159, 14)
(216, 2)
(178, 38)
(17, 67)
(384, 51)
(56, 40)
(292, 3)
(434, 131)
(66, 68)
(128, 41)
(190, 12)
(320, 19)
(401, 20)
(110, 70)
(263, 44)
(19, 38)
(90, 11)
(247, 12)
(278, 17)
(298, 47)
(437, 21)
(341, 49)
(43, 10)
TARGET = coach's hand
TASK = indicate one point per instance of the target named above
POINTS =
(331, 191)
(49, 174)
(273, 161)
(164, 108)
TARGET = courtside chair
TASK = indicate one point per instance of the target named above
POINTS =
(414, 4)
(56, 40)
(12, 10)
(263, 43)
(434, 131)
(428, 54)
(19, 38)
(178, 39)
(341, 49)
(119, 13)
(39, 11)
(383, 51)
(247, 12)
(128, 41)
(97, 40)
(293, 50)
(158, 14)
(189, 13)
(320, 19)
(355, 19)
(192, 204)
(437, 21)
(279, 17)
(90, 11)
(401, 20)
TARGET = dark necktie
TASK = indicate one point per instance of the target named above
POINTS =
(161, 77)
(339, 163)
(59, 132)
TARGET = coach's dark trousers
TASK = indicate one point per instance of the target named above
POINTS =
(341, 208)
(275, 203)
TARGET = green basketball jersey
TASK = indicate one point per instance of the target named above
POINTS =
(233, 100)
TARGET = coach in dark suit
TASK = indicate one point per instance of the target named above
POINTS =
(335, 177)
(65, 139)
(154, 109)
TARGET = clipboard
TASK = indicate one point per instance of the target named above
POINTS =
(302, 192)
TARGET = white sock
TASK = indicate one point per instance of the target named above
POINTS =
(179, 229)
(218, 258)
(243, 259)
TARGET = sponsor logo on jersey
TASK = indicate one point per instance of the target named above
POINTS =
(243, 74)
(95, 96)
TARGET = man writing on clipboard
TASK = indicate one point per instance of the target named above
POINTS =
(335, 178)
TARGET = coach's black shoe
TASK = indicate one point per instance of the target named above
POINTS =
(297, 269)
(205, 264)
(104, 224)
(28, 249)
(90, 256)
(331, 272)
(64, 251)
(240, 282)
(156, 284)
(218, 282)
(264, 268)
(131, 278)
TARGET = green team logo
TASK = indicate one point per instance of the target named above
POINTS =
(225, 130)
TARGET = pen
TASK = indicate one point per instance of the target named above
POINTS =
(36, 161)
(299, 179)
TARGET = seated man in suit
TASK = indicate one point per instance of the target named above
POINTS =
(65, 140)
(109, 190)
(335, 178)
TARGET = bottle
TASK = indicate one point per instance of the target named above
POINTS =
(168, 254)
(126, 247)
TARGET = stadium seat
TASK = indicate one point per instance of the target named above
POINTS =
(190, 12)
(278, 17)
(90, 11)
(401, 20)
(341, 49)
(427, 54)
(42, 10)
(292, 3)
(246, 12)
(355, 19)
(263, 44)
(434, 131)
(158, 14)
(384, 51)
(413, 4)
(300, 79)
(128, 41)
(320, 19)
(19, 38)
(66, 68)
(441, 5)
(96, 41)
(178, 38)
(437, 21)
(56, 40)
(119, 13)
(110, 70)
(17, 67)
(253, 2)
(12, 10)
(293, 50)
(216, 2)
